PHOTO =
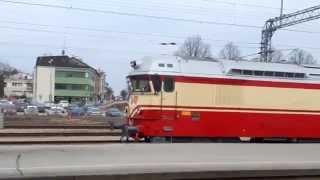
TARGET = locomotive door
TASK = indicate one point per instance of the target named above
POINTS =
(168, 104)
(165, 96)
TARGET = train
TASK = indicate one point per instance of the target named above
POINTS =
(177, 98)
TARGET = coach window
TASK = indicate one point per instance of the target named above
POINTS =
(279, 74)
(258, 73)
(269, 73)
(236, 72)
(299, 75)
(168, 84)
(247, 72)
(289, 75)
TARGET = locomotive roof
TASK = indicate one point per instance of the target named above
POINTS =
(177, 66)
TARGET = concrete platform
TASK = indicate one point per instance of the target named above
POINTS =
(180, 160)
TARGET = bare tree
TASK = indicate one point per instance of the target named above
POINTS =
(194, 47)
(230, 52)
(299, 56)
(109, 92)
(124, 94)
(277, 55)
(5, 71)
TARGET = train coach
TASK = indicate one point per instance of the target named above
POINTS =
(176, 98)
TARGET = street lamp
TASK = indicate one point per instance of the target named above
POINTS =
(168, 44)
(50, 95)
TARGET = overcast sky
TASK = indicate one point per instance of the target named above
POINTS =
(123, 30)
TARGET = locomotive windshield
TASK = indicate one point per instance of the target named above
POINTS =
(140, 84)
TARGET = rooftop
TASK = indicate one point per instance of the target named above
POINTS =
(20, 76)
(207, 68)
(61, 61)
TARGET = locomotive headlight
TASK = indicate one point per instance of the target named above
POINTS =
(133, 64)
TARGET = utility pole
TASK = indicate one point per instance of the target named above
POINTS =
(285, 20)
(281, 10)
(51, 94)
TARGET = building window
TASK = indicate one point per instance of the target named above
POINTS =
(70, 74)
(61, 86)
(168, 84)
(73, 87)
(16, 84)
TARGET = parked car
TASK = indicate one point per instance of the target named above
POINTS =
(4, 101)
(116, 118)
(64, 103)
(20, 106)
(42, 109)
(77, 111)
(57, 110)
(8, 109)
(31, 109)
(94, 111)
(113, 112)
(48, 104)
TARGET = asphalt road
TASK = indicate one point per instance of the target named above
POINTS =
(123, 159)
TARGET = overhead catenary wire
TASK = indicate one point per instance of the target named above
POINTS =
(48, 45)
(135, 15)
(82, 28)
(214, 45)
(246, 4)
(132, 14)
(122, 32)
(183, 8)
(143, 15)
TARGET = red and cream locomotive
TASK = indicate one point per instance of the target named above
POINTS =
(177, 98)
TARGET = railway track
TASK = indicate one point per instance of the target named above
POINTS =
(58, 136)
(44, 126)
(58, 132)
(58, 123)
(59, 140)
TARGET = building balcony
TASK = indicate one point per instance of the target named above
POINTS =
(73, 93)
(71, 80)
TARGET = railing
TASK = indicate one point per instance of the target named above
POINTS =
(71, 80)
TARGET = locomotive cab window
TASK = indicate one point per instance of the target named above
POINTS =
(140, 84)
(168, 84)
(157, 83)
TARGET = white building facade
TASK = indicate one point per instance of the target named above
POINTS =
(19, 86)
(66, 78)
(44, 83)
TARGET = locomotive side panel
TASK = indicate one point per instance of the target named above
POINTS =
(228, 99)
(249, 97)
(215, 110)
